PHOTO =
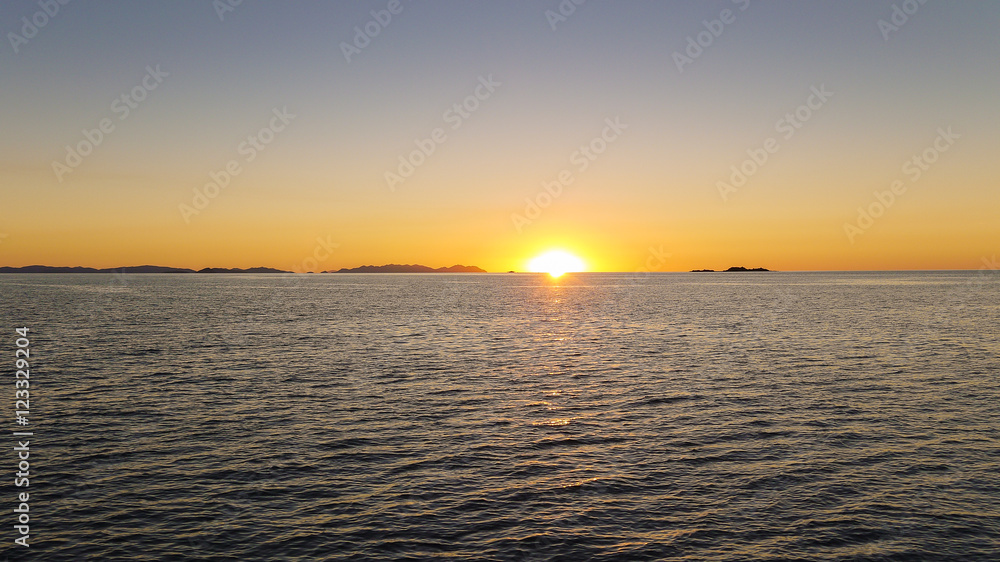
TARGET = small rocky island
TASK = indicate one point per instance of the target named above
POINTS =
(731, 269)
(397, 268)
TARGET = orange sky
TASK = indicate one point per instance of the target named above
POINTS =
(647, 155)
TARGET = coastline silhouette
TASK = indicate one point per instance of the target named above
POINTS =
(390, 268)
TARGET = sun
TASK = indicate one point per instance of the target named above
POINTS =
(556, 263)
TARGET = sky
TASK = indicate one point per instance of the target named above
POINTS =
(638, 135)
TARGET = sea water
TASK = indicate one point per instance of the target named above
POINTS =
(725, 416)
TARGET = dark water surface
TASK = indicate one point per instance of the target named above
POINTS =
(785, 416)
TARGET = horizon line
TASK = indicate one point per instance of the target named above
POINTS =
(188, 270)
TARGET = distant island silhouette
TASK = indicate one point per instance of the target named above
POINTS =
(737, 268)
(135, 269)
(238, 270)
(397, 268)
(391, 268)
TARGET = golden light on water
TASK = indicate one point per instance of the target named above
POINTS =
(556, 263)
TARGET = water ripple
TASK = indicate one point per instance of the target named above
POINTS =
(504, 417)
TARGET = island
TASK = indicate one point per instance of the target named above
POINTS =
(397, 268)
(134, 269)
(238, 270)
(731, 269)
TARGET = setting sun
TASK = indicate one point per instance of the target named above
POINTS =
(556, 263)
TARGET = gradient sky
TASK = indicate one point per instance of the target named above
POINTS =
(656, 186)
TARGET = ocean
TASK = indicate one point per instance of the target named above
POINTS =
(675, 416)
